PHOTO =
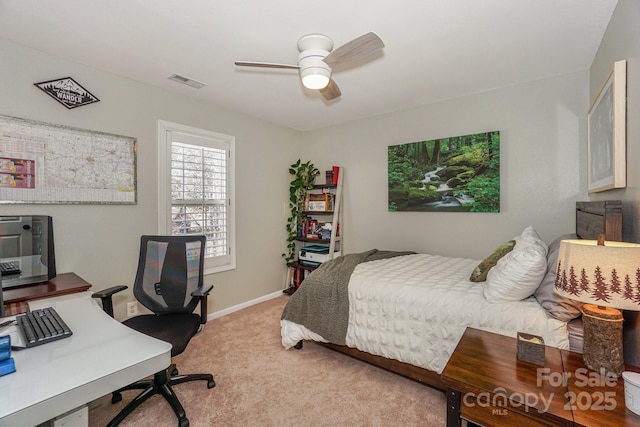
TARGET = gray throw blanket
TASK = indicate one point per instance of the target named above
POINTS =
(321, 304)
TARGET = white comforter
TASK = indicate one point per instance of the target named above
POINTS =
(415, 309)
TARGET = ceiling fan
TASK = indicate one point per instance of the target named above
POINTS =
(317, 59)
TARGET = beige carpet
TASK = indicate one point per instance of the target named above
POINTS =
(261, 384)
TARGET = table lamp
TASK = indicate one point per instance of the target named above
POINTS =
(606, 277)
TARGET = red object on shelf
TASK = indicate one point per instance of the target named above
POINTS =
(336, 170)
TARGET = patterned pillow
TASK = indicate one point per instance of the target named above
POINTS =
(479, 274)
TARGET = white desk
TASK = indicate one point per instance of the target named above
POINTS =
(101, 356)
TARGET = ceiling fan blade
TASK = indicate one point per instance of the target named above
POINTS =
(356, 49)
(331, 91)
(265, 65)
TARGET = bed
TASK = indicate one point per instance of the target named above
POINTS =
(405, 312)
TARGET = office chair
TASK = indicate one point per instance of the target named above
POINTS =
(169, 282)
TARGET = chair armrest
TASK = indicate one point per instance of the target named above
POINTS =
(202, 292)
(109, 291)
(106, 295)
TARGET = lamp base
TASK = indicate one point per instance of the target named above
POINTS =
(602, 339)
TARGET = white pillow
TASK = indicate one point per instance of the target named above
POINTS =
(518, 274)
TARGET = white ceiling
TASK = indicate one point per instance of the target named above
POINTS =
(435, 49)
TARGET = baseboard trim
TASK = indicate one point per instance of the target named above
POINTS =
(238, 307)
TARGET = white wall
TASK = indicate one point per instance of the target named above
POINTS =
(542, 127)
(100, 242)
(622, 41)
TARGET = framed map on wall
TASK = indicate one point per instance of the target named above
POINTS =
(47, 163)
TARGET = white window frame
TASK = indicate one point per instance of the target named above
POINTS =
(166, 133)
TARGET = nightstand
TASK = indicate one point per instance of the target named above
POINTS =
(596, 400)
(488, 385)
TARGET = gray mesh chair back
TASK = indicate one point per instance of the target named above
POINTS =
(169, 270)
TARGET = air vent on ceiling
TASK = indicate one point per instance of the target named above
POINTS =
(186, 81)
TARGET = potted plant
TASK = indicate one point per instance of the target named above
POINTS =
(304, 175)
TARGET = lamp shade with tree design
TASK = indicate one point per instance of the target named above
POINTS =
(606, 277)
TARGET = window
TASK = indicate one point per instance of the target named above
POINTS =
(196, 189)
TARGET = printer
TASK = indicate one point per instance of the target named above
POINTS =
(316, 254)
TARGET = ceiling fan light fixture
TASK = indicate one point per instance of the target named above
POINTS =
(314, 72)
(315, 78)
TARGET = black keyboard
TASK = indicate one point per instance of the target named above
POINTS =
(42, 326)
(8, 268)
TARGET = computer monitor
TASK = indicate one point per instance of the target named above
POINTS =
(27, 253)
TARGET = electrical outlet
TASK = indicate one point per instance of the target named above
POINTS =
(132, 308)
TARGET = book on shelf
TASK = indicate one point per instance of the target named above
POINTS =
(311, 228)
(297, 276)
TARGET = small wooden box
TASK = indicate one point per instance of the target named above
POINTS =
(530, 348)
(317, 202)
(317, 206)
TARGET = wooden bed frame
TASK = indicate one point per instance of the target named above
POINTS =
(592, 218)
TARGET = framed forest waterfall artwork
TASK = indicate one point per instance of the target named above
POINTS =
(456, 174)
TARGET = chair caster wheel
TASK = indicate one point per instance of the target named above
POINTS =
(211, 384)
(116, 397)
(183, 422)
(298, 345)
